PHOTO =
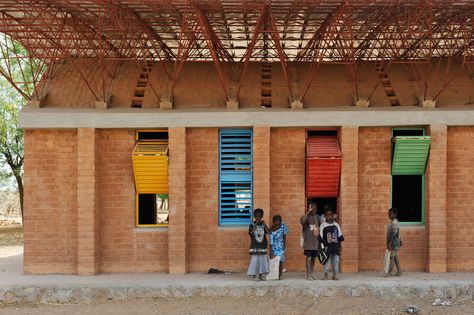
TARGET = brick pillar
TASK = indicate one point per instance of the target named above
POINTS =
(435, 200)
(348, 198)
(261, 170)
(87, 203)
(177, 201)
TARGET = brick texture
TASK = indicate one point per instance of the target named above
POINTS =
(288, 187)
(50, 237)
(63, 209)
(460, 197)
(348, 198)
(123, 248)
(435, 213)
(87, 203)
(374, 202)
(177, 240)
(209, 246)
(261, 170)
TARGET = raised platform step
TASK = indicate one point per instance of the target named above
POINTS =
(74, 289)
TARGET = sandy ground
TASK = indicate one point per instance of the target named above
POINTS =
(326, 306)
(11, 236)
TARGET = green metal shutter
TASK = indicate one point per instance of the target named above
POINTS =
(410, 155)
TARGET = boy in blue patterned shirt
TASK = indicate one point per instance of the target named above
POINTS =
(278, 233)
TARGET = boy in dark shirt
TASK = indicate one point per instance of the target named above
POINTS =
(393, 241)
(331, 236)
(309, 223)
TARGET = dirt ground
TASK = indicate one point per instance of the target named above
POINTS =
(11, 235)
(304, 305)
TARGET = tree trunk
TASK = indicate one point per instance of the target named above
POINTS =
(19, 182)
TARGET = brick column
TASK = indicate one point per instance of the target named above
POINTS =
(349, 198)
(177, 201)
(87, 203)
(435, 200)
(261, 170)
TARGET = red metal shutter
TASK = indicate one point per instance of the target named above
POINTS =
(323, 166)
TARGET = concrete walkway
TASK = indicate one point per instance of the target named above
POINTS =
(15, 287)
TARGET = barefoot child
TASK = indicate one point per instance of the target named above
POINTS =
(393, 241)
(258, 231)
(309, 223)
(278, 234)
(331, 236)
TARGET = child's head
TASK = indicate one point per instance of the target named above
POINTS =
(258, 214)
(276, 220)
(328, 214)
(313, 207)
(392, 213)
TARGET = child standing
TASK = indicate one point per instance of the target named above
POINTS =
(393, 241)
(258, 231)
(278, 234)
(331, 236)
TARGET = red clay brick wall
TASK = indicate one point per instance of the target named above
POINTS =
(123, 247)
(348, 198)
(50, 202)
(287, 175)
(460, 197)
(435, 201)
(209, 246)
(374, 201)
(177, 238)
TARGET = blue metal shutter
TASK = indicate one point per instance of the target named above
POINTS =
(235, 176)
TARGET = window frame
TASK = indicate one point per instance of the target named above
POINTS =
(137, 208)
(229, 223)
(422, 222)
(157, 225)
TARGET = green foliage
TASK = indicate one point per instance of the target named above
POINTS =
(11, 102)
(11, 137)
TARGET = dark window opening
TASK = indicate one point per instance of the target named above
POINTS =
(407, 132)
(407, 194)
(152, 209)
(146, 209)
(317, 133)
(152, 135)
(323, 203)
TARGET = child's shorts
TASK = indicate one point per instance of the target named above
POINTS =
(393, 253)
(311, 253)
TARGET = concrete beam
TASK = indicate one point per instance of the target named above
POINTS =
(42, 118)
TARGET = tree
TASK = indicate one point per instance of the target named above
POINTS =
(11, 142)
(19, 72)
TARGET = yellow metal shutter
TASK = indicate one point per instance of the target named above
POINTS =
(150, 167)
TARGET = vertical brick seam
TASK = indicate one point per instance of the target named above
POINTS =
(435, 206)
(87, 210)
(349, 198)
(177, 240)
(261, 170)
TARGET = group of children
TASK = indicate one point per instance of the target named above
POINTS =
(320, 234)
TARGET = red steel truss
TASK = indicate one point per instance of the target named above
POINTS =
(227, 32)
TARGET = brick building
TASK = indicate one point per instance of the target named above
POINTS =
(158, 127)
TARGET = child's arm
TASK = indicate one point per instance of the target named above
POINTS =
(271, 245)
(250, 228)
(340, 237)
